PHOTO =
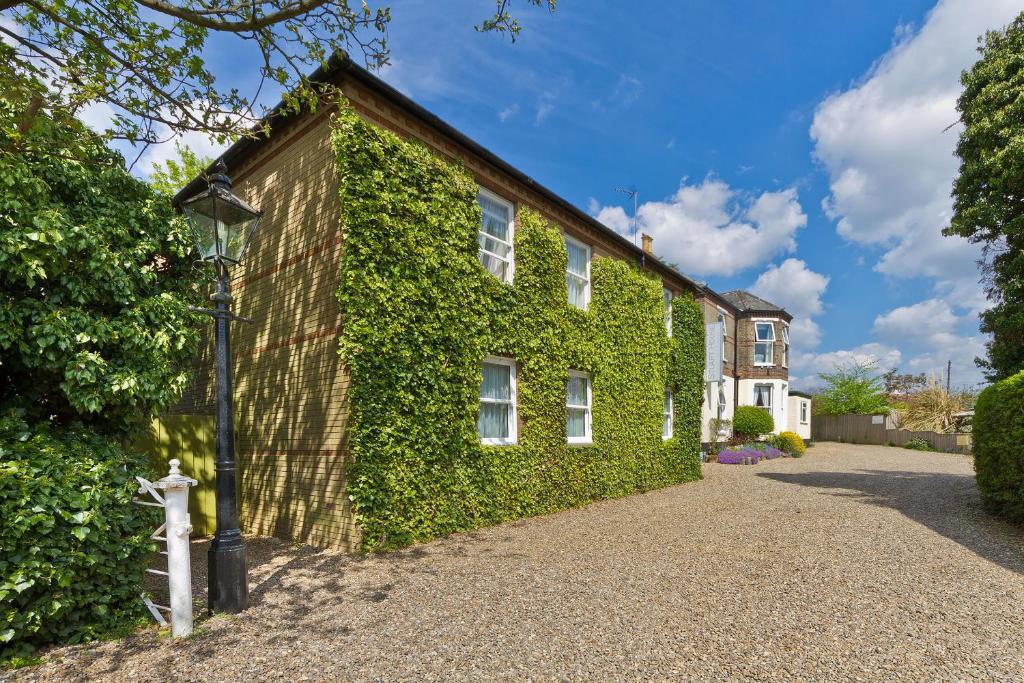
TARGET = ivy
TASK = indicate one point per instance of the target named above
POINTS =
(420, 314)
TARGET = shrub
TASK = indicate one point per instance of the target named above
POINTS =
(72, 545)
(920, 444)
(999, 447)
(792, 444)
(751, 422)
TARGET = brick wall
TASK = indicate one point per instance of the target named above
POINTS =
(745, 364)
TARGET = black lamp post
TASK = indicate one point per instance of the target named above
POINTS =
(223, 225)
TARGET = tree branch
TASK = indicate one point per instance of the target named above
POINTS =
(254, 23)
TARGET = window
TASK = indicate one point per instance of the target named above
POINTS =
(785, 346)
(725, 333)
(577, 407)
(803, 412)
(763, 396)
(764, 344)
(669, 413)
(667, 294)
(497, 421)
(721, 401)
(495, 238)
(577, 274)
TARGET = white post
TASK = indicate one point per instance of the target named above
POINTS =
(179, 565)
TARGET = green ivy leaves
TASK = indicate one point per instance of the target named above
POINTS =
(420, 314)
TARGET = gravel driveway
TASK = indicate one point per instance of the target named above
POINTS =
(855, 562)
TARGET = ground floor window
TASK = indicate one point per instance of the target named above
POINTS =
(669, 413)
(763, 396)
(803, 412)
(721, 401)
(497, 421)
(578, 401)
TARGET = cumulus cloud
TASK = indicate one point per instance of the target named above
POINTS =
(798, 289)
(805, 366)
(888, 142)
(929, 322)
(711, 229)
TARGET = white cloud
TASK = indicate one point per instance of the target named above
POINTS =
(508, 112)
(929, 322)
(545, 105)
(805, 366)
(712, 229)
(798, 289)
(888, 142)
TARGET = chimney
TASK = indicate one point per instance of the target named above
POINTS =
(648, 243)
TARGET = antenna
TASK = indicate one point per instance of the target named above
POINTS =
(635, 194)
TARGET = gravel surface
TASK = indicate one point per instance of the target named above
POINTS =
(853, 563)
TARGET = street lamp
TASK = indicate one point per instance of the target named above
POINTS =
(222, 225)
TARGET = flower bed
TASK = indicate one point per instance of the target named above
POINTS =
(749, 454)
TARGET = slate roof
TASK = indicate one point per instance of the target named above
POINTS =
(749, 303)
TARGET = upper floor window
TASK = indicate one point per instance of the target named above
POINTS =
(496, 227)
(669, 414)
(577, 273)
(764, 343)
(497, 422)
(785, 346)
(803, 412)
(578, 402)
(725, 330)
(667, 294)
(763, 396)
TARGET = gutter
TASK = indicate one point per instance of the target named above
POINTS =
(340, 64)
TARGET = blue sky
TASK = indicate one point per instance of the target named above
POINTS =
(797, 149)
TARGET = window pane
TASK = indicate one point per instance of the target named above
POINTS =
(577, 258)
(576, 422)
(494, 246)
(494, 265)
(494, 218)
(493, 420)
(764, 331)
(496, 382)
(760, 352)
(668, 402)
(577, 291)
(577, 391)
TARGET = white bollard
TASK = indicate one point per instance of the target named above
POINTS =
(179, 565)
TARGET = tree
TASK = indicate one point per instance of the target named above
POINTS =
(989, 191)
(852, 389)
(174, 174)
(899, 386)
(145, 59)
(95, 281)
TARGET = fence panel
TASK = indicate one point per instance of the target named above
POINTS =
(880, 430)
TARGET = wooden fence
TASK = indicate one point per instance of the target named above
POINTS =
(881, 430)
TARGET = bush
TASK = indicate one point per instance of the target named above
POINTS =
(920, 444)
(792, 443)
(999, 447)
(72, 545)
(751, 422)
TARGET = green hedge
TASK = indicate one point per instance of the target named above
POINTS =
(751, 422)
(420, 314)
(998, 434)
(72, 545)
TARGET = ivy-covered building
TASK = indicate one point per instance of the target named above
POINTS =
(441, 342)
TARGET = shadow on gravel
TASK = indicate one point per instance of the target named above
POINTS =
(948, 504)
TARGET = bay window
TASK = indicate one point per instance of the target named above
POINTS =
(764, 343)
(578, 402)
(577, 273)
(497, 422)
(495, 238)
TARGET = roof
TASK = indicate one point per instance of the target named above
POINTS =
(339, 66)
(746, 302)
(801, 394)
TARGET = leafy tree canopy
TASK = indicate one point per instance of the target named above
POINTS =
(853, 389)
(145, 59)
(172, 175)
(989, 191)
(95, 281)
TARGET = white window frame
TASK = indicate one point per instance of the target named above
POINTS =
(803, 412)
(771, 397)
(785, 346)
(588, 426)
(511, 259)
(724, 320)
(668, 419)
(570, 274)
(513, 414)
(770, 351)
(722, 401)
(668, 296)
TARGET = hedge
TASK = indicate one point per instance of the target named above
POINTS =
(72, 545)
(751, 422)
(420, 315)
(998, 434)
